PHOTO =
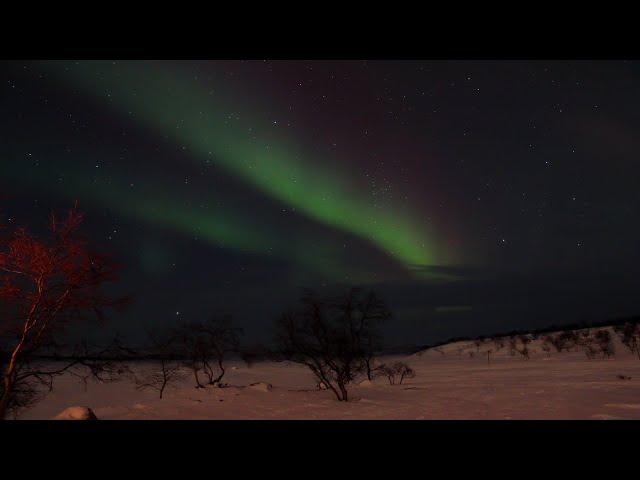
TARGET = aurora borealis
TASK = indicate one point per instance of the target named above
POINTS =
(473, 194)
(192, 115)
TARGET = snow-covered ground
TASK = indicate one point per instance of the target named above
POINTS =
(449, 384)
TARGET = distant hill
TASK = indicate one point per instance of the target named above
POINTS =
(535, 332)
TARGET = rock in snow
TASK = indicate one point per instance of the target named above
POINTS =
(261, 386)
(366, 383)
(76, 413)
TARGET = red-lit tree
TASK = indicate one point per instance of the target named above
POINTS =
(46, 284)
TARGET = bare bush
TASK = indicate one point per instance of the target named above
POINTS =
(396, 372)
(547, 343)
(192, 348)
(205, 346)
(519, 344)
(546, 347)
(523, 350)
(223, 339)
(332, 337)
(605, 343)
(595, 343)
(589, 348)
(563, 340)
(629, 334)
(161, 350)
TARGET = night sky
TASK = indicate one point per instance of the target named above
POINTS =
(475, 196)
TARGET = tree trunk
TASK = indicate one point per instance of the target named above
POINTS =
(217, 380)
(164, 377)
(6, 392)
(343, 390)
(195, 374)
(8, 376)
(208, 372)
(335, 392)
(329, 385)
(7, 385)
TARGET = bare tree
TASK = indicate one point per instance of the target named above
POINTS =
(397, 372)
(519, 344)
(605, 343)
(192, 347)
(205, 346)
(629, 334)
(221, 339)
(589, 348)
(162, 350)
(523, 350)
(562, 340)
(45, 285)
(608, 347)
(333, 338)
(365, 311)
(595, 343)
(548, 343)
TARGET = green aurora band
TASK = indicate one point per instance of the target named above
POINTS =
(186, 111)
(219, 226)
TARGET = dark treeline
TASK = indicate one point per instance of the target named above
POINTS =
(613, 322)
